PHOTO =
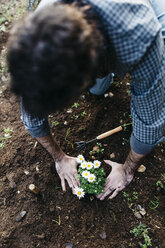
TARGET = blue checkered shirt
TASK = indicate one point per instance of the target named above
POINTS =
(134, 45)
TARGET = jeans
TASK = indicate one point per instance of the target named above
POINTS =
(159, 8)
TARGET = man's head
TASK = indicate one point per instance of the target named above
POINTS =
(52, 53)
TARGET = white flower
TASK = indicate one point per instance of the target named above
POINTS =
(97, 164)
(91, 178)
(79, 192)
(83, 165)
(86, 174)
(89, 165)
(80, 159)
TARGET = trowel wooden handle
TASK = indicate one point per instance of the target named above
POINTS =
(106, 134)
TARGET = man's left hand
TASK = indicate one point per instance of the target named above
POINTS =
(117, 180)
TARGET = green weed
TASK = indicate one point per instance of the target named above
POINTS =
(142, 231)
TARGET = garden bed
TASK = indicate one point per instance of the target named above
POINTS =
(54, 218)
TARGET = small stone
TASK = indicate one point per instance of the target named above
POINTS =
(142, 211)
(26, 172)
(4, 79)
(112, 155)
(4, 179)
(141, 168)
(93, 157)
(95, 148)
(40, 236)
(11, 180)
(34, 189)
(20, 216)
(103, 235)
(3, 29)
(67, 217)
(69, 111)
(52, 209)
(137, 215)
(110, 94)
(106, 95)
(65, 123)
(58, 207)
(138, 207)
(68, 245)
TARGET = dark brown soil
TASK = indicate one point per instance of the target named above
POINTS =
(81, 221)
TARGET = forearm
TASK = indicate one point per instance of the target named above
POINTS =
(132, 162)
(50, 144)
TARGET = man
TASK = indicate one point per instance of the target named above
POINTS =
(58, 50)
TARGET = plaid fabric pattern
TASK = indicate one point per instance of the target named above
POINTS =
(32, 4)
(134, 44)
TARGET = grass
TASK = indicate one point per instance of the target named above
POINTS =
(153, 204)
(142, 231)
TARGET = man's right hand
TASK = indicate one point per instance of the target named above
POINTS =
(67, 170)
(66, 166)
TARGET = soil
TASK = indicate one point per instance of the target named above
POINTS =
(54, 218)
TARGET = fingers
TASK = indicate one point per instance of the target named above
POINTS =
(111, 163)
(107, 192)
(114, 194)
(63, 183)
(76, 179)
(72, 182)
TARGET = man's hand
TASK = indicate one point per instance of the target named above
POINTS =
(67, 170)
(121, 175)
(66, 166)
(116, 181)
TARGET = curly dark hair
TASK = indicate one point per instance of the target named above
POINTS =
(51, 53)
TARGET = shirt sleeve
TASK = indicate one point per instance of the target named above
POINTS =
(148, 99)
(37, 127)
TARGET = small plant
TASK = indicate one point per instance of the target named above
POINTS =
(83, 114)
(75, 117)
(125, 141)
(7, 132)
(59, 220)
(117, 83)
(126, 195)
(91, 176)
(67, 134)
(129, 198)
(142, 231)
(135, 195)
(128, 92)
(159, 184)
(55, 123)
(75, 105)
(154, 204)
(1, 144)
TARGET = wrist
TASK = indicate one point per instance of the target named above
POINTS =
(58, 156)
(132, 162)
